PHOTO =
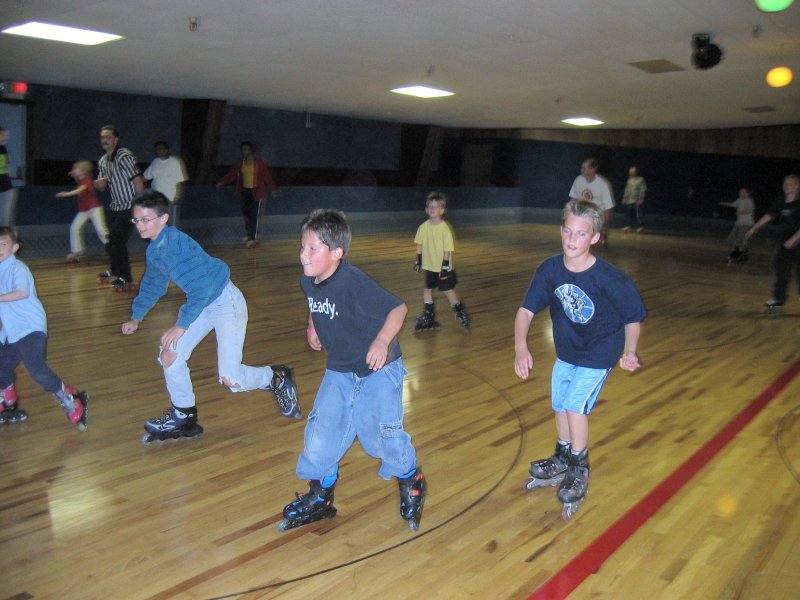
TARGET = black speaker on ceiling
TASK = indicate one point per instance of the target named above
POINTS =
(706, 55)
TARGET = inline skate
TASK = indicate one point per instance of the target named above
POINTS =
(9, 409)
(285, 390)
(314, 505)
(549, 472)
(427, 320)
(412, 497)
(773, 307)
(575, 485)
(173, 424)
(75, 405)
(462, 316)
(106, 276)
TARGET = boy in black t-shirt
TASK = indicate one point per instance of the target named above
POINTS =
(361, 395)
(596, 313)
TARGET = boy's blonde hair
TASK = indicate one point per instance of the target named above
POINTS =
(436, 197)
(86, 166)
(584, 210)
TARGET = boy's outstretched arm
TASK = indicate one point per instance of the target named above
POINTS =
(379, 349)
(523, 360)
(629, 360)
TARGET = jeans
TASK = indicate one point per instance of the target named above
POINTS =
(32, 351)
(368, 408)
(227, 316)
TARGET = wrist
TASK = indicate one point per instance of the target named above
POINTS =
(311, 331)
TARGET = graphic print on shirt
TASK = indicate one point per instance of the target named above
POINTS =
(325, 308)
(578, 307)
(587, 195)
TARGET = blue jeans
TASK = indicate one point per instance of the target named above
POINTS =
(227, 316)
(369, 408)
(31, 350)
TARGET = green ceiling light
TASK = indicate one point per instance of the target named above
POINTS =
(773, 5)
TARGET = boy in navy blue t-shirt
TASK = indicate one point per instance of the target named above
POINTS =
(361, 395)
(596, 312)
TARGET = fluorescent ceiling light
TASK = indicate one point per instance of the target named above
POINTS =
(582, 121)
(59, 33)
(421, 91)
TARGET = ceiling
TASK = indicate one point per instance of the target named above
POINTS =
(511, 63)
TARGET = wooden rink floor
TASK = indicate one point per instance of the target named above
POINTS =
(695, 457)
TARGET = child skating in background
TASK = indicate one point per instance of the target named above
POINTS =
(212, 302)
(435, 245)
(596, 312)
(356, 321)
(23, 338)
(744, 206)
(89, 208)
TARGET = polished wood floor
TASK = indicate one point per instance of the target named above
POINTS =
(97, 515)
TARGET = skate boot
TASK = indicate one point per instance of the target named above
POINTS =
(175, 423)
(575, 486)
(74, 257)
(106, 276)
(120, 284)
(412, 497)
(282, 385)
(427, 320)
(314, 505)
(773, 307)
(9, 410)
(549, 471)
(75, 405)
(462, 316)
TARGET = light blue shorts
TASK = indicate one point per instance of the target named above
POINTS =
(575, 389)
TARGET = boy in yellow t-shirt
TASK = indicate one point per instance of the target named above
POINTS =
(435, 246)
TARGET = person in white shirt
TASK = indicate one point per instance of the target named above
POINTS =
(594, 188)
(166, 174)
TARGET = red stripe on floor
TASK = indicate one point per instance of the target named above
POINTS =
(591, 559)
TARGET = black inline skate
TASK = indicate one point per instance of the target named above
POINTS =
(285, 390)
(737, 256)
(173, 424)
(75, 405)
(412, 497)
(549, 471)
(773, 307)
(314, 505)
(427, 320)
(575, 485)
(462, 316)
(9, 409)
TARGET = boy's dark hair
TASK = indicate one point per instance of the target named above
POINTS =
(584, 210)
(153, 200)
(436, 197)
(161, 143)
(110, 128)
(331, 228)
(247, 143)
(8, 230)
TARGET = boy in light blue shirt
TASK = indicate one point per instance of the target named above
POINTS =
(23, 338)
(212, 302)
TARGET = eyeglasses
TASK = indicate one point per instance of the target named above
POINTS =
(143, 220)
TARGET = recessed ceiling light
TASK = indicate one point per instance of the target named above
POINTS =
(60, 33)
(421, 91)
(582, 121)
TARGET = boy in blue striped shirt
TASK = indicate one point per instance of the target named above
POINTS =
(212, 302)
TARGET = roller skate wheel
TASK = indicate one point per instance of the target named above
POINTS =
(284, 525)
(413, 525)
(570, 508)
(82, 426)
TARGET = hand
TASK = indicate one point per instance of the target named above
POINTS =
(313, 340)
(444, 274)
(61, 194)
(130, 327)
(376, 355)
(629, 361)
(523, 363)
(169, 339)
(418, 264)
